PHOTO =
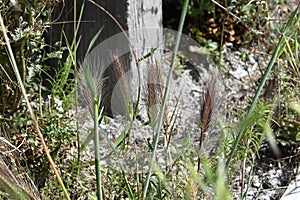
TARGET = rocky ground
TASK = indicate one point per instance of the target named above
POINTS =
(270, 175)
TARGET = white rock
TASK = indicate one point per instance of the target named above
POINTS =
(293, 190)
(255, 182)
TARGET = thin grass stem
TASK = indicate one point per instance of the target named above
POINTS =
(164, 100)
(97, 146)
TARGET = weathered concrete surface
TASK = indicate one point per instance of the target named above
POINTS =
(133, 15)
(145, 32)
(145, 24)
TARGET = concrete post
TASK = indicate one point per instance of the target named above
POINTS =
(135, 16)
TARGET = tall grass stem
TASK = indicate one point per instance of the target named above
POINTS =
(96, 144)
(164, 100)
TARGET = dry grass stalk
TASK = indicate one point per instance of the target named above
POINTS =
(161, 93)
(206, 110)
(118, 66)
(207, 107)
(155, 92)
(155, 96)
(121, 76)
(151, 95)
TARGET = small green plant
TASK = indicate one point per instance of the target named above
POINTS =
(290, 25)
(288, 75)
(255, 133)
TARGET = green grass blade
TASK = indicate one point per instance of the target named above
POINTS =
(87, 140)
(93, 41)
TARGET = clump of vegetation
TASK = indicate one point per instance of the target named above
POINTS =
(288, 82)
(25, 23)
